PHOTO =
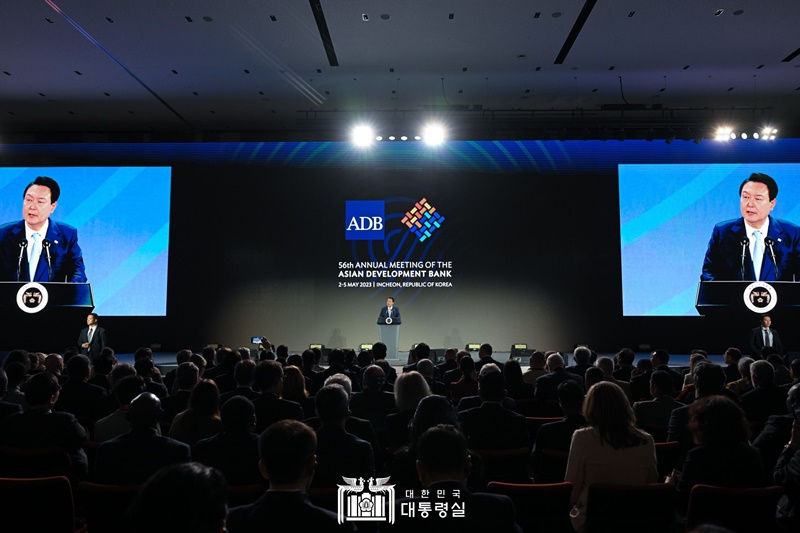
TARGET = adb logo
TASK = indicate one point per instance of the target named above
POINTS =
(364, 220)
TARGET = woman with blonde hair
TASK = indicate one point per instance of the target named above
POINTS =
(611, 449)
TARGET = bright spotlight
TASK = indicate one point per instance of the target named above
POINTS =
(391, 137)
(744, 135)
(378, 138)
(403, 138)
(755, 135)
(362, 135)
(733, 135)
(722, 134)
(433, 134)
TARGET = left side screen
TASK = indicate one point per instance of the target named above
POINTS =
(122, 219)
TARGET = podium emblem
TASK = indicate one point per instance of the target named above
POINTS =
(32, 297)
(760, 297)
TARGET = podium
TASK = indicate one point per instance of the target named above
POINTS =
(746, 298)
(43, 316)
(390, 336)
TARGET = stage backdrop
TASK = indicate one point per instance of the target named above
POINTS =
(503, 242)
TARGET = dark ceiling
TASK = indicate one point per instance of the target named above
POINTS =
(308, 69)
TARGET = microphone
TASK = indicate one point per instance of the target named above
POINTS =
(745, 243)
(46, 245)
(769, 242)
(22, 245)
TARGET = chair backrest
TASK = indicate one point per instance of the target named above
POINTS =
(22, 507)
(630, 508)
(737, 509)
(553, 466)
(510, 466)
(104, 506)
(535, 422)
(36, 462)
(540, 507)
(667, 457)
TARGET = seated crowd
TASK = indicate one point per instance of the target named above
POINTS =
(225, 418)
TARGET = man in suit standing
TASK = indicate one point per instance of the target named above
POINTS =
(92, 338)
(37, 248)
(771, 247)
(389, 311)
(764, 336)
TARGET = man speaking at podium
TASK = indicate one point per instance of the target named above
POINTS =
(389, 311)
(756, 247)
(37, 248)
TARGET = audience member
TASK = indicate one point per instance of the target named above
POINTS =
(582, 356)
(452, 376)
(117, 423)
(39, 426)
(491, 426)
(339, 453)
(181, 498)
(776, 432)
(243, 373)
(485, 357)
(6, 408)
(294, 389)
(270, 407)
(787, 475)
(102, 365)
(653, 415)
(146, 369)
(169, 378)
(744, 384)
(78, 396)
(516, 387)
(409, 389)
(624, 362)
(557, 436)
(732, 357)
(606, 364)
(379, 353)
(782, 375)
(443, 469)
(288, 461)
(450, 363)
(372, 402)
(723, 456)
(467, 384)
(536, 368)
(610, 450)
(765, 399)
(108, 404)
(427, 369)
(133, 457)
(201, 419)
(547, 385)
(234, 450)
(17, 374)
(186, 377)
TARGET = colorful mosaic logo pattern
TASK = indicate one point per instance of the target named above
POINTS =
(423, 220)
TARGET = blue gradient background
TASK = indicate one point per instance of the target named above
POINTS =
(667, 213)
(122, 216)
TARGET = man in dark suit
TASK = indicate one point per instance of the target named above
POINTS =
(270, 407)
(372, 402)
(777, 432)
(557, 436)
(78, 396)
(764, 336)
(243, 375)
(389, 311)
(40, 427)
(339, 453)
(709, 379)
(653, 415)
(443, 467)
(37, 248)
(764, 240)
(547, 385)
(92, 339)
(485, 357)
(491, 426)
(133, 457)
(766, 398)
(186, 377)
(287, 451)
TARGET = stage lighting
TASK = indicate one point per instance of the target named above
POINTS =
(473, 346)
(364, 346)
(363, 135)
(723, 134)
(433, 134)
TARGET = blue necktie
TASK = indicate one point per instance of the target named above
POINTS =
(758, 253)
(33, 259)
